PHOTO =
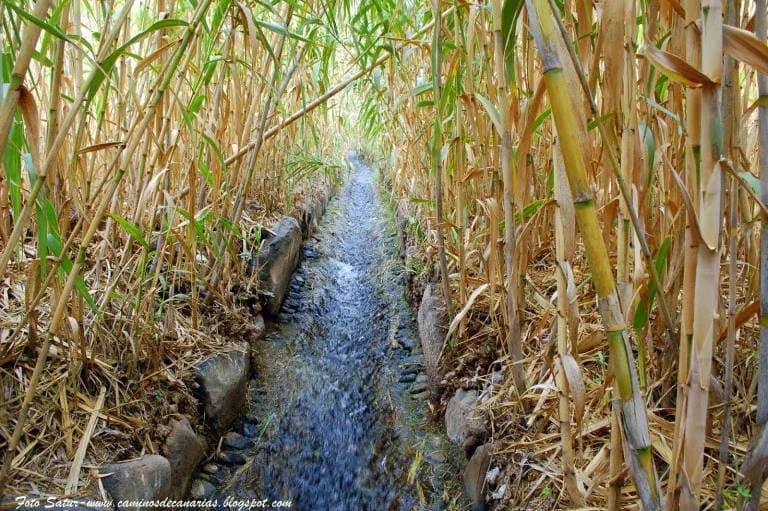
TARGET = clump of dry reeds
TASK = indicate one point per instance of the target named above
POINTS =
(600, 167)
(144, 148)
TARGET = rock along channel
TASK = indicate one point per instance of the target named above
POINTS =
(339, 396)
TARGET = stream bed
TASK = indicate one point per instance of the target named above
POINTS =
(340, 399)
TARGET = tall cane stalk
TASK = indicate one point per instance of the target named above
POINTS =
(634, 421)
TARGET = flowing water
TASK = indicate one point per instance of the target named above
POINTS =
(341, 429)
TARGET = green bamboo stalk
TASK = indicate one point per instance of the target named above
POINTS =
(633, 413)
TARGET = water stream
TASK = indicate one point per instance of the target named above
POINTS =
(341, 428)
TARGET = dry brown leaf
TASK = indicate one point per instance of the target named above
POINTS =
(31, 116)
(744, 46)
(576, 387)
(675, 68)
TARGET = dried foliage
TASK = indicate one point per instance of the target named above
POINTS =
(144, 151)
(634, 133)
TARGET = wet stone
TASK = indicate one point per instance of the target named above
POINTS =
(250, 429)
(232, 458)
(406, 343)
(410, 370)
(236, 441)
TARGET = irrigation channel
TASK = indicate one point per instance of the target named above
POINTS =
(343, 424)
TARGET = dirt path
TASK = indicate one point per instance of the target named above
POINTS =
(341, 426)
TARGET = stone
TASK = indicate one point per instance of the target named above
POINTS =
(474, 477)
(431, 321)
(202, 489)
(407, 378)
(275, 262)
(145, 478)
(418, 388)
(250, 429)
(211, 468)
(232, 458)
(223, 382)
(410, 369)
(463, 419)
(406, 343)
(236, 441)
(184, 450)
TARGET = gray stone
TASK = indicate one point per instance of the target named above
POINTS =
(145, 478)
(232, 458)
(463, 419)
(223, 381)
(406, 343)
(250, 429)
(202, 489)
(184, 450)
(474, 477)
(432, 330)
(276, 261)
(236, 441)
(410, 369)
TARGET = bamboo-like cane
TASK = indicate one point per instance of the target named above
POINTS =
(762, 375)
(122, 159)
(707, 293)
(53, 149)
(730, 108)
(437, 166)
(564, 248)
(28, 41)
(690, 249)
(508, 175)
(633, 413)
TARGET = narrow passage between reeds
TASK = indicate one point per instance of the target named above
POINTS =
(341, 428)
